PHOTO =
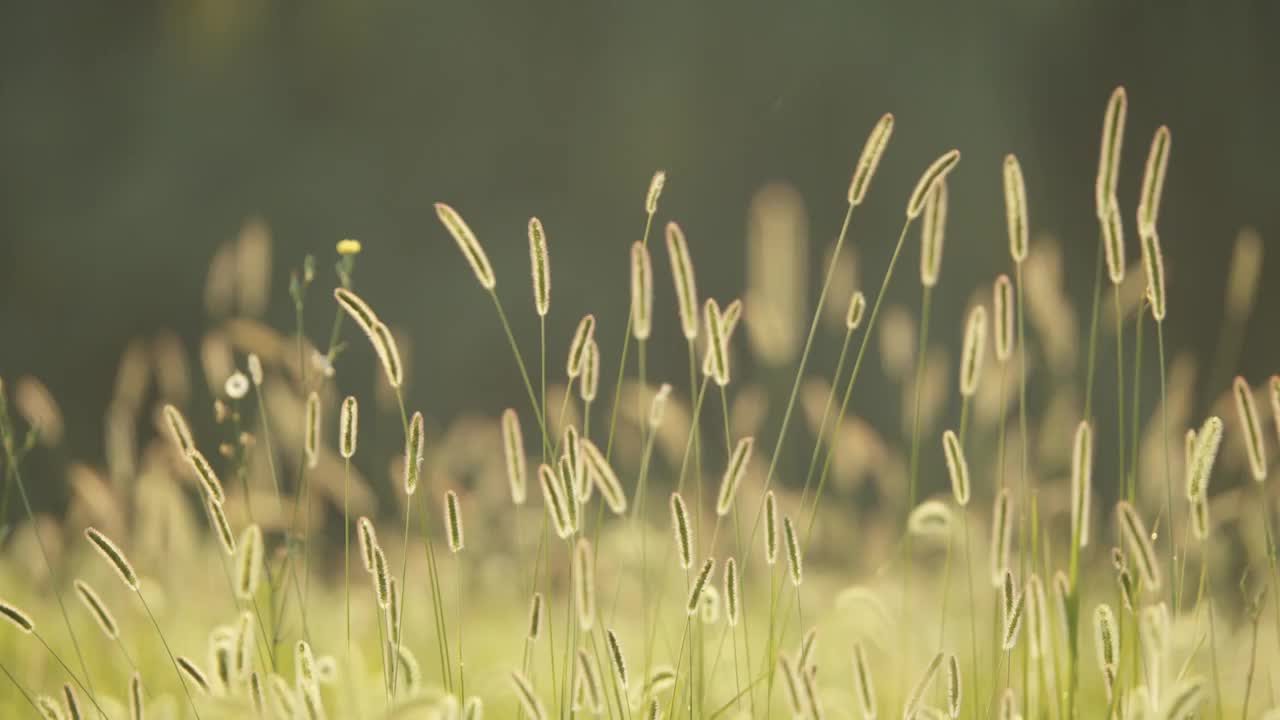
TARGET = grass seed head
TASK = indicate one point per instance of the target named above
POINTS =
(733, 475)
(414, 449)
(921, 687)
(567, 492)
(114, 557)
(554, 498)
(16, 617)
(1001, 535)
(732, 586)
(381, 577)
(770, 528)
(513, 453)
(1204, 453)
(869, 160)
(1012, 608)
(1113, 244)
(535, 616)
(312, 445)
(193, 673)
(857, 308)
(795, 561)
(1002, 308)
(540, 266)
(616, 659)
(368, 541)
(589, 384)
(98, 609)
(587, 681)
(209, 481)
(957, 467)
(975, 346)
(932, 232)
(1106, 640)
(584, 583)
(384, 344)
(578, 347)
(1248, 415)
(348, 427)
(1200, 518)
(72, 700)
(1015, 208)
(656, 184)
(1153, 181)
(604, 477)
(685, 284)
(178, 429)
(222, 527)
(699, 584)
(453, 521)
(1153, 265)
(249, 562)
(954, 690)
(935, 173)
(467, 242)
(717, 345)
(863, 682)
(683, 531)
(1109, 152)
(641, 291)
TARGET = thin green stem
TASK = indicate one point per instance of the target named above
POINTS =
(163, 641)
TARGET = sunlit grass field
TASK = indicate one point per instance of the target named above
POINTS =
(255, 542)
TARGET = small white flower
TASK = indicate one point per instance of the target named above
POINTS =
(237, 386)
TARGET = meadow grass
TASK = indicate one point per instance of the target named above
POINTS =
(832, 583)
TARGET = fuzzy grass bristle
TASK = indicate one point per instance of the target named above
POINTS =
(578, 347)
(114, 557)
(348, 427)
(1203, 456)
(414, 451)
(975, 347)
(683, 532)
(1002, 309)
(685, 284)
(641, 291)
(869, 160)
(514, 455)
(957, 467)
(932, 233)
(468, 244)
(1109, 151)
(1255, 447)
(540, 267)
(699, 583)
(935, 173)
(733, 475)
(453, 522)
(1015, 204)
(1153, 181)
(16, 617)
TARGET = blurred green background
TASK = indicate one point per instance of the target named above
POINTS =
(136, 137)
